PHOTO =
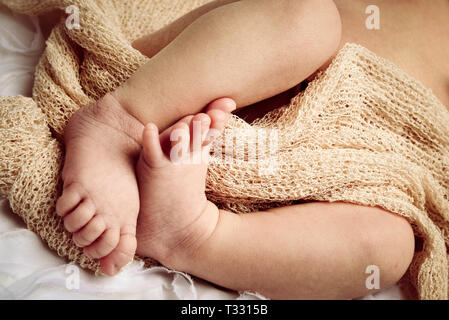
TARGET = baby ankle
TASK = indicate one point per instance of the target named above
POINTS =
(110, 110)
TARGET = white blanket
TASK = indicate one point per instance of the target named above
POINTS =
(28, 269)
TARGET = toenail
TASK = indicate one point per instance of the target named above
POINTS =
(231, 106)
(76, 243)
(151, 126)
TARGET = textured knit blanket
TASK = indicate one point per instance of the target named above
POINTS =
(363, 132)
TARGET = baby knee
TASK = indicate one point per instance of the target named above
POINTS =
(318, 21)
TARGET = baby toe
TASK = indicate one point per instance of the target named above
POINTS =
(219, 111)
(219, 119)
(198, 128)
(91, 232)
(152, 150)
(104, 245)
(225, 104)
(122, 255)
(69, 200)
(165, 136)
(180, 142)
(79, 217)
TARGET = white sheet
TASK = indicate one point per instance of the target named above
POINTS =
(28, 269)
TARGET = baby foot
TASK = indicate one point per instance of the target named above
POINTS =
(175, 215)
(100, 200)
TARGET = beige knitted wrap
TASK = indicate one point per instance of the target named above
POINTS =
(362, 132)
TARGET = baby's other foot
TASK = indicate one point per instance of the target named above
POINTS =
(100, 200)
(175, 215)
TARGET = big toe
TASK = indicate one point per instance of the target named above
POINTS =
(152, 152)
(80, 216)
(219, 112)
(226, 105)
(121, 256)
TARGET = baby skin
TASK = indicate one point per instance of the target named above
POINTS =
(175, 215)
(104, 223)
(235, 54)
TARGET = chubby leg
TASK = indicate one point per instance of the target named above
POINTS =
(247, 50)
(309, 251)
(151, 44)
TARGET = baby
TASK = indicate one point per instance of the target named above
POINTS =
(129, 185)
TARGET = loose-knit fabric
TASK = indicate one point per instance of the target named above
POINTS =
(363, 132)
